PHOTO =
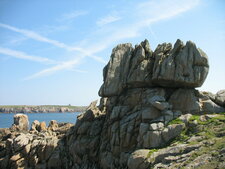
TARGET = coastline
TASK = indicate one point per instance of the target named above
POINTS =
(41, 109)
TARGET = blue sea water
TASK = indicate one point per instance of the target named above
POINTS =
(6, 120)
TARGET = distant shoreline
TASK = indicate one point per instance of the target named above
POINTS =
(41, 109)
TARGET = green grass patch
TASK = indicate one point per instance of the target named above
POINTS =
(184, 136)
(176, 121)
(220, 117)
(215, 120)
(207, 134)
(212, 150)
(195, 117)
(151, 151)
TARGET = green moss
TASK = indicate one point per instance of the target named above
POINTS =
(213, 132)
(215, 120)
(212, 149)
(151, 151)
(193, 142)
(176, 121)
(220, 117)
(183, 137)
(207, 134)
(214, 138)
(209, 129)
(194, 117)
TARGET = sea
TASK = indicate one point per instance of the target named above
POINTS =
(6, 119)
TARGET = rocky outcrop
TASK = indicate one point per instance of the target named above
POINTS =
(188, 150)
(220, 98)
(184, 66)
(144, 103)
(21, 122)
(39, 147)
(143, 91)
(180, 66)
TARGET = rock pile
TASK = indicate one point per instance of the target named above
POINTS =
(143, 92)
(38, 147)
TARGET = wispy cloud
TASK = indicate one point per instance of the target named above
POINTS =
(141, 17)
(170, 10)
(107, 19)
(62, 66)
(38, 37)
(146, 14)
(72, 15)
(17, 40)
(46, 29)
(68, 65)
(152, 32)
(146, 19)
(22, 55)
(35, 36)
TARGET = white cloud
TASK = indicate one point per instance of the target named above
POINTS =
(72, 15)
(22, 55)
(46, 29)
(129, 31)
(17, 40)
(37, 37)
(107, 19)
(62, 66)
(152, 12)
(152, 32)
(68, 65)
(142, 16)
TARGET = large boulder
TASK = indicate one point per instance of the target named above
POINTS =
(168, 66)
(21, 122)
(21, 141)
(220, 98)
(138, 159)
(141, 66)
(35, 125)
(180, 66)
(116, 70)
(185, 101)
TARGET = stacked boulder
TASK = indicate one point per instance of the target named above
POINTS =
(142, 92)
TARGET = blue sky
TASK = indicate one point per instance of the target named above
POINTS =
(53, 52)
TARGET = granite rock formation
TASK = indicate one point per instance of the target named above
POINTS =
(142, 92)
(21, 122)
(184, 66)
(147, 101)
